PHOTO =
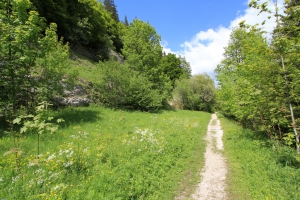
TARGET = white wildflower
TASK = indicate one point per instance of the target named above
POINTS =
(67, 164)
(40, 181)
(56, 187)
(53, 176)
(31, 182)
(51, 157)
(61, 152)
(74, 136)
(85, 133)
(39, 171)
(70, 155)
(15, 179)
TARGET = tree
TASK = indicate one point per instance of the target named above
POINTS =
(126, 21)
(196, 93)
(119, 86)
(259, 82)
(31, 64)
(185, 66)
(82, 23)
(143, 52)
(112, 8)
(170, 65)
(175, 67)
(248, 81)
(286, 49)
(142, 48)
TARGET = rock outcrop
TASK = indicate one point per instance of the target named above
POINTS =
(75, 97)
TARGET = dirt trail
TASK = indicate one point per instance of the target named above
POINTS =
(213, 175)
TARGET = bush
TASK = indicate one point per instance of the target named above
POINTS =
(196, 93)
(120, 86)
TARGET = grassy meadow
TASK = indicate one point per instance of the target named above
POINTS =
(258, 167)
(100, 153)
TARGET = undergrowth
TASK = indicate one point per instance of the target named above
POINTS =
(100, 153)
(258, 167)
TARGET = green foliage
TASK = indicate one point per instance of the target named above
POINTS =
(111, 7)
(106, 154)
(258, 168)
(119, 86)
(259, 82)
(244, 75)
(126, 23)
(186, 68)
(38, 123)
(143, 52)
(31, 64)
(196, 93)
(175, 68)
(80, 22)
(142, 48)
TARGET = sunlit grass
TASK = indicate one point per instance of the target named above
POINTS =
(106, 154)
(258, 168)
(85, 67)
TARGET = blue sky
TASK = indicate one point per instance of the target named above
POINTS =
(196, 29)
(179, 20)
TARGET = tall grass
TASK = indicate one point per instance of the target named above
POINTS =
(258, 167)
(105, 154)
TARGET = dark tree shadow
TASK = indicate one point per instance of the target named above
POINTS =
(284, 155)
(3, 126)
(73, 116)
(290, 160)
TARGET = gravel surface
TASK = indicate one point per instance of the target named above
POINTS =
(213, 175)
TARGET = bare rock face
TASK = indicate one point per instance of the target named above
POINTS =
(76, 97)
(78, 90)
(72, 101)
(115, 55)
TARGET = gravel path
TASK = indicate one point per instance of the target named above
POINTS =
(213, 175)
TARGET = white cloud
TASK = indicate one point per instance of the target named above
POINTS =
(205, 51)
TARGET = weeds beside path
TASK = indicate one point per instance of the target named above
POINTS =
(259, 168)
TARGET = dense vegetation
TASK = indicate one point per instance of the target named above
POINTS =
(37, 36)
(259, 80)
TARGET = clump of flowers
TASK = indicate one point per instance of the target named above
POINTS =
(147, 140)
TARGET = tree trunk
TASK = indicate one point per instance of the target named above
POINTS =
(291, 108)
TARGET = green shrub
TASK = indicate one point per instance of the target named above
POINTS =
(119, 86)
(196, 93)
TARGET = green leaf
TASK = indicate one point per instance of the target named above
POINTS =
(60, 120)
(24, 129)
(17, 121)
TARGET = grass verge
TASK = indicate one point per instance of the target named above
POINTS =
(258, 168)
(105, 154)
